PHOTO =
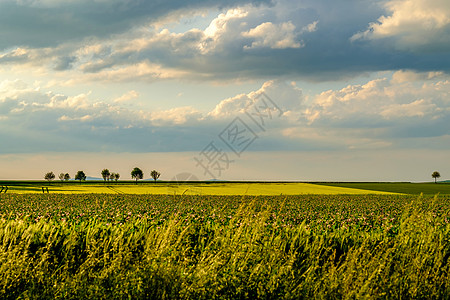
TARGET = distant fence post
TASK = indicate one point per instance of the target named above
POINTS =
(44, 189)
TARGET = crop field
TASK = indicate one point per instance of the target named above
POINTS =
(205, 188)
(122, 246)
(225, 188)
(395, 187)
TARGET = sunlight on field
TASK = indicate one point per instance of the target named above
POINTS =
(193, 189)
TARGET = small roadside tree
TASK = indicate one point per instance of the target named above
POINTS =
(137, 174)
(80, 176)
(116, 176)
(155, 174)
(49, 176)
(105, 174)
(61, 176)
(435, 175)
(66, 177)
(112, 176)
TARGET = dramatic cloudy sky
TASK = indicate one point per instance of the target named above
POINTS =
(257, 90)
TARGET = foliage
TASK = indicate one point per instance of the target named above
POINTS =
(224, 247)
(155, 174)
(137, 174)
(435, 175)
(49, 176)
(61, 176)
(105, 174)
(80, 176)
(66, 177)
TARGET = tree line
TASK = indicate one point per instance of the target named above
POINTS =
(136, 174)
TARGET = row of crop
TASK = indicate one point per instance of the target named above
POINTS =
(242, 258)
(324, 212)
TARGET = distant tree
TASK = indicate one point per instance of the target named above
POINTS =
(137, 174)
(155, 174)
(61, 176)
(66, 177)
(49, 176)
(435, 175)
(112, 176)
(116, 176)
(105, 174)
(80, 176)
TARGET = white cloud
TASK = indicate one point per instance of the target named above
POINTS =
(231, 107)
(311, 27)
(143, 71)
(382, 113)
(402, 76)
(130, 95)
(417, 107)
(274, 36)
(174, 116)
(287, 96)
(84, 118)
(220, 25)
(414, 24)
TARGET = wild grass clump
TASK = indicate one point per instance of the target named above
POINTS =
(255, 249)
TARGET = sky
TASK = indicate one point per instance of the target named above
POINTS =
(308, 90)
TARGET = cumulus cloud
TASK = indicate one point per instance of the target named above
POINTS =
(382, 113)
(130, 95)
(286, 96)
(416, 25)
(245, 41)
(32, 120)
(175, 116)
(275, 36)
(49, 23)
(386, 108)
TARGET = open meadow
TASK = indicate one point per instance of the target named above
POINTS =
(180, 246)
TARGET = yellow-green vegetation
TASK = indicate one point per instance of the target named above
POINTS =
(212, 188)
(396, 187)
(111, 246)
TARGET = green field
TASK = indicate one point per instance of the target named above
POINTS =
(394, 187)
(130, 246)
(227, 188)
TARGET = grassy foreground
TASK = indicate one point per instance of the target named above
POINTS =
(224, 247)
